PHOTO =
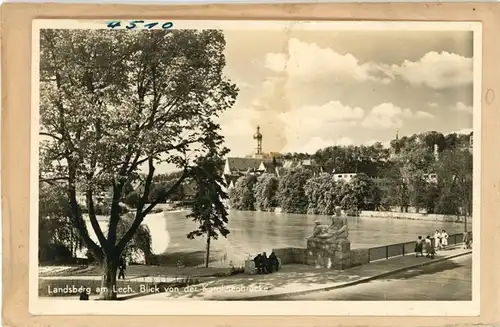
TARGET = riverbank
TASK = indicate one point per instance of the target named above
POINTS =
(406, 215)
(414, 216)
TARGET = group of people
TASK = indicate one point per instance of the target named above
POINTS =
(425, 245)
(265, 264)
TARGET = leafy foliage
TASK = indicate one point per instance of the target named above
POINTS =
(291, 190)
(57, 239)
(323, 194)
(414, 175)
(241, 196)
(366, 192)
(115, 103)
(266, 189)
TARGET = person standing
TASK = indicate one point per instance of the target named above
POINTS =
(122, 266)
(437, 239)
(419, 247)
(444, 238)
(429, 249)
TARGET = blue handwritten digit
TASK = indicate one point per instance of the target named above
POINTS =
(151, 25)
(167, 25)
(114, 24)
(133, 25)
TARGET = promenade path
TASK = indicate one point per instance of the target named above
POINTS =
(290, 280)
(295, 279)
(448, 280)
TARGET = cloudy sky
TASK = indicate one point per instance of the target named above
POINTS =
(312, 89)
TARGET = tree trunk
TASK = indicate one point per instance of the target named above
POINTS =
(207, 255)
(108, 285)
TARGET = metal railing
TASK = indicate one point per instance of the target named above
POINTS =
(401, 249)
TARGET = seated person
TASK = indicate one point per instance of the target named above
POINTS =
(419, 247)
(266, 263)
(275, 264)
(259, 264)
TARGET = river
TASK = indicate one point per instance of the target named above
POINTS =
(253, 232)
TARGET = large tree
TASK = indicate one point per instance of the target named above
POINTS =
(323, 194)
(115, 103)
(291, 190)
(265, 192)
(241, 196)
(455, 175)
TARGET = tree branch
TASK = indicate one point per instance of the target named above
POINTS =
(79, 223)
(59, 138)
(140, 214)
(53, 179)
(94, 222)
(115, 212)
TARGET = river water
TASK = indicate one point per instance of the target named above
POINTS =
(252, 232)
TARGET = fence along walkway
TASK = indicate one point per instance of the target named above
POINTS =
(400, 249)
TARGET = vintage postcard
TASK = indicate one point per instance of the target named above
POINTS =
(202, 167)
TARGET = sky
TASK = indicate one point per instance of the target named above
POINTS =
(312, 89)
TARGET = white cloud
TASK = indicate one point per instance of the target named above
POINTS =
(460, 106)
(437, 70)
(386, 115)
(424, 115)
(309, 118)
(307, 61)
(432, 104)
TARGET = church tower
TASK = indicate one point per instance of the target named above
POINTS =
(258, 136)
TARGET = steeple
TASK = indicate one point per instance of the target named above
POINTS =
(258, 136)
(397, 147)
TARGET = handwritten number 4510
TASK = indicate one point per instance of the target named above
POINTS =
(133, 24)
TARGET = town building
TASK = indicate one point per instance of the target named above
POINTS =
(260, 162)
(345, 177)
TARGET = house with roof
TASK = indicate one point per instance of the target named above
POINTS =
(235, 167)
(260, 163)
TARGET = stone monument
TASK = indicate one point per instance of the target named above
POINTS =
(329, 246)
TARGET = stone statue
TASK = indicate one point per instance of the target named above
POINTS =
(337, 230)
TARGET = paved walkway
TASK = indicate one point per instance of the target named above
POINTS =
(293, 279)
(447, 280)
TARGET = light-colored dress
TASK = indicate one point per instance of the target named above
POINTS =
(437, 240)
(444, 239)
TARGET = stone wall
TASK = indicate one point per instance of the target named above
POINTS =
(299, 256)
(291, 255)
(360, 257)
(412, 215)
